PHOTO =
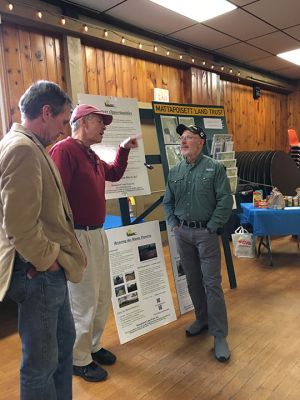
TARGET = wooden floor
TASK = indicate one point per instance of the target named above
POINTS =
(264, 322)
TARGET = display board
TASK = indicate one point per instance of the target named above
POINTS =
(167, 117)
(126, 122)
(141, 295)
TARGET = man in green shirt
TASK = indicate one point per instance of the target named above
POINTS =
(198, 203)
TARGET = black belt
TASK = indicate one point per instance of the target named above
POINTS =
(88, 227)
(195, 224)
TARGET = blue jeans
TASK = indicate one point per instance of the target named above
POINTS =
(199, 252)
(47, 332)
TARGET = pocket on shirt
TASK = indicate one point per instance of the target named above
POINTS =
(178, 185)
(204, 184)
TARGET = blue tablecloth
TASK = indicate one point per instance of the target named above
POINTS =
(266, 221)
(113, 221)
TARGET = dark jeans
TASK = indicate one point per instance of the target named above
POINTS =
(47, 332)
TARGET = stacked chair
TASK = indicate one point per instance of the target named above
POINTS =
(294, 146)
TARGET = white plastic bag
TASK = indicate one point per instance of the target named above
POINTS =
(243, 243)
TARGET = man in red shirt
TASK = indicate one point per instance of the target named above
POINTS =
(84, 174)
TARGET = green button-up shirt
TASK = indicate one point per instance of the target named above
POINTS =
(198, 192)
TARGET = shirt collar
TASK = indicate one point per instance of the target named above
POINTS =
(196, 162)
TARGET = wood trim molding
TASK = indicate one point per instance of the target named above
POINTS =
(5, 114)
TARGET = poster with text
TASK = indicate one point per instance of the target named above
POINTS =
(183, 296)
(126, 122)
(169, 115)
(141, 295)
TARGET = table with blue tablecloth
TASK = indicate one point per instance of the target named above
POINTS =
(114, 221)
(267, 222)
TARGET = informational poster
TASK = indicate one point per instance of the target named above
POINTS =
(126, 122)
(184, 299)
(169, 115)
(141, 295)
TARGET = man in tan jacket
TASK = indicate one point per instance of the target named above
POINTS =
(38, 248)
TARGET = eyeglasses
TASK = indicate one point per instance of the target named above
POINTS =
(187, 138)
(94, 116)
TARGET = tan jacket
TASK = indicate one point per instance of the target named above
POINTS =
(35, 216)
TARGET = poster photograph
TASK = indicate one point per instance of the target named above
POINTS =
(174, 155)
(169, 124)
(186, 121)
(141, 295)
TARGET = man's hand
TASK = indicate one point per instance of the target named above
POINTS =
(131, 142)
(54, 267)
(175, 228)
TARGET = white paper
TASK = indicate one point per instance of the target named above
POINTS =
(184, 299)
(161, 95)
(126, 122)
(141, 295)
(213, 123)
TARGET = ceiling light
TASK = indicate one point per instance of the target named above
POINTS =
(200, 10)
(292, 56)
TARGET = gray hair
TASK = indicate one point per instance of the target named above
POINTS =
(43, 93)
(76, 124)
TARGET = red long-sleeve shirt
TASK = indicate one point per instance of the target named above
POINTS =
(84, 174)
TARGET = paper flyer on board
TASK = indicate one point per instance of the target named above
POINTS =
(141, 295)
(126, 122)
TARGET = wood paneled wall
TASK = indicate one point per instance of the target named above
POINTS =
(255, 124)
(28, 56)
(112, 74)
(205, 87)
(294, 110)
